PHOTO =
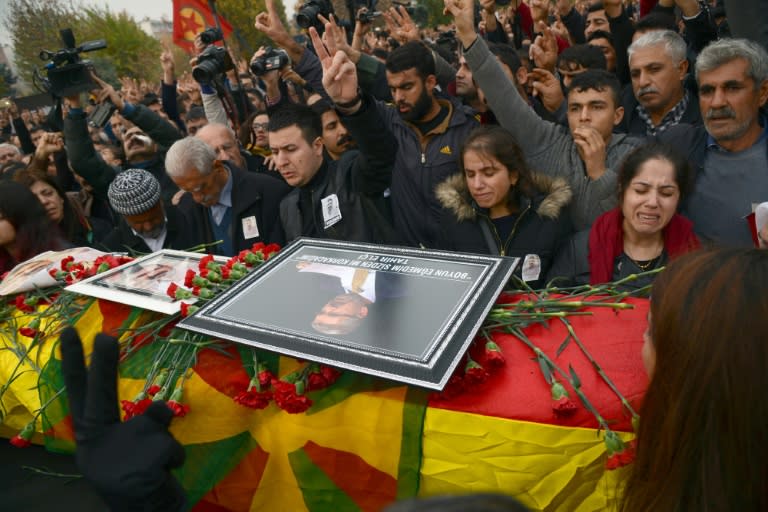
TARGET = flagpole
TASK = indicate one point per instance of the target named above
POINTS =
(215, 13)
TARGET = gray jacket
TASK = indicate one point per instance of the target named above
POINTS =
(548, 147)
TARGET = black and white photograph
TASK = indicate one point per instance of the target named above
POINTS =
(358, 306)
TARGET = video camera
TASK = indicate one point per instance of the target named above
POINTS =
(307, 16)
(273, 58)
(68, 74)
(367, 16)
(213, 61)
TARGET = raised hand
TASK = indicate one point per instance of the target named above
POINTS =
(591, 147)
(543, 51)
(271, 25)
(464, 18)
(339, 74)
(400, 25)
(109, 92)
(547, 88)
(128, 463)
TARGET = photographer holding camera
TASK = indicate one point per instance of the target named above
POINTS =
(144, 143)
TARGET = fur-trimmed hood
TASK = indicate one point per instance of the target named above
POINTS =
(454, 196)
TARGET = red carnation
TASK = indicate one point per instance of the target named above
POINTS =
(187, 309)
(188, 277)
(474, 373)
(258, 247)
(455, 387)
(494, 359)
(171, 291)
(29, 332)
(65, 263)
(562, 405)
(21, 304)
(136, 407)
(270, 249)
(253, 399)
(288, 399)
(23, 438)
(619, 453)
(20, 442)
(179, 410)
(265, 378)
(331, 374)
(203, 263)
(153, 389)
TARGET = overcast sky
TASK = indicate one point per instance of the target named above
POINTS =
(139, 9)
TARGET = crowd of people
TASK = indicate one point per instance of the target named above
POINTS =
(592, 140)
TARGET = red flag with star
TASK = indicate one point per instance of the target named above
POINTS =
(190, 17)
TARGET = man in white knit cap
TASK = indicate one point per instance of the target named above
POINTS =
(146, 225)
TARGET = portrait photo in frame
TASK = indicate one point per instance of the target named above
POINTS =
(399, 313)
(143, 282)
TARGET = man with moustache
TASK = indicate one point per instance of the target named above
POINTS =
(658, 67)
(144, 143)
(729, 153)
(336, 137)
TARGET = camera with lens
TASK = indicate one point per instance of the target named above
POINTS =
(211, 35)
(273, 58)
(67, 73)
(307, 16)
(211, 62)
(101, 114)
(367, 16)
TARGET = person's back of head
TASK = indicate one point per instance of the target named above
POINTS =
(701, 440)
(584, 56)
(507, 55)
(481, 502)
(654, 21)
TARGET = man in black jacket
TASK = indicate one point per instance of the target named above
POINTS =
(146, 224)
(339, 199)
(224, 203)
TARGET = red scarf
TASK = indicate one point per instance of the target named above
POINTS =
(606, 242)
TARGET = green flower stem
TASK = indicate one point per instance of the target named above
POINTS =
(598, 368)
(203, 247)
(564, 375)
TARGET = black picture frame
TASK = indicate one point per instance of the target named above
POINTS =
(413, 314)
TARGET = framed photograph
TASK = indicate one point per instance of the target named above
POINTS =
(144, 281)
(399, 313)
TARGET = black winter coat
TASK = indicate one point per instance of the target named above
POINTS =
(542, 225)
(179, 235)
(253, 194)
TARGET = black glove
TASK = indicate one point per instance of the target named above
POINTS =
(128, 463)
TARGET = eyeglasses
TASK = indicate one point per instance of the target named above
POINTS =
(257, 126)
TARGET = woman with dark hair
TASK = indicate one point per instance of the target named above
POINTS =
(253, 134)
(643, 233)
(76, 228)
(496, 205)
(25, 228)
(702, 440)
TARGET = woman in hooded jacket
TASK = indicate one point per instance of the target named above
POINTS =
(497, 205)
